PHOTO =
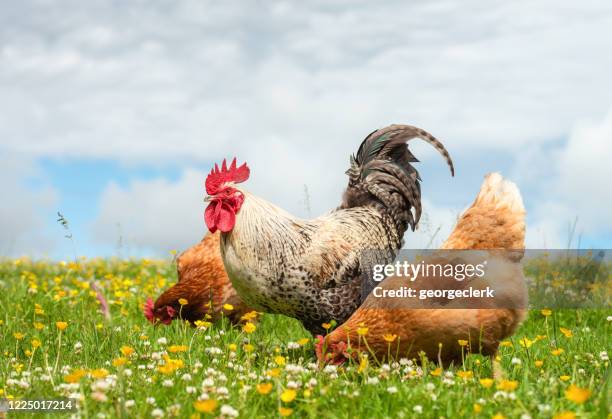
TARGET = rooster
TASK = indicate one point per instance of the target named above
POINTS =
(310, 269)
(496, 220)
(203, 284)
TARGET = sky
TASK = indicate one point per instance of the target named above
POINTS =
(113, 112)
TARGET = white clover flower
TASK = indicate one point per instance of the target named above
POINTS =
(99, 396)
(190, 389)
(186, 377)
(78, 346)
(292, 384)
(330, 369)
(392, 389)
(150, 400)
(129, 403)
(142, 367)
(157, 413)
(167, 383)
(127, 372)
(433, 397)
(525, 416)
(515, 361)
(156, 356)
(603, 355)
(418, 409)
(405, 361)
(385, 367)
(430, 386)
(162, 341)
(500, 395)
(228, 410)
(609, 318)
(544, 408)
(100, 385)
(223, 391)
(198, 365)
(448, 381)
(373, 380)
(312, 382)
(208, 382)
(293, 345)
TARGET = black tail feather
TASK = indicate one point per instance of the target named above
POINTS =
(381, 174)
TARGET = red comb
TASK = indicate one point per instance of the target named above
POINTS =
(148, 310)
(218, 177)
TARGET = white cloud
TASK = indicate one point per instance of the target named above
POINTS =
(572, 187)
(158, 214)
(23, 210)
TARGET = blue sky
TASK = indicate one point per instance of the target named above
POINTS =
(114, 114)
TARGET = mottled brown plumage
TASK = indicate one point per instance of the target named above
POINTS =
(202, 281)
(310, 269)
(496, 220)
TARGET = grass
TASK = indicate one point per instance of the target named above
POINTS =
(121, 366)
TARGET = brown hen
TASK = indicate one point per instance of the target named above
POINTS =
(496, 220)
(203, 283)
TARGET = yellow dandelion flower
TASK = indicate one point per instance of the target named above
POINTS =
(577, 395)
(465, 374)
(307, 393)
(205, 406)
(566, 332)
(288, 395)
(486, 382)
(436, 372)
(525, 342)
(362, 331)
(557, 352)
(228, 307)
(177, 348)
(99, 373)
(462, 342)
(119, 362)
(506, 343)
(126, 350)
(264, 388)
(232, 347)
(285, 411)
(546, 312)
(61, 325)
(507, 385)
(540, 337)
(389, 337)
(565, 415)
(477, 408)
(303, 341)
(249, 316)
(143, 337)
(326, 326)
(201, 324)
(183, 301)
(75, 376)
(274, 372)
(538, 363)
(248, 347)
(564, 378)
(36, 343)
(39, 326)
(18, 335)
(498, 416)
(249, 328)
(363, 364)
(280, 360)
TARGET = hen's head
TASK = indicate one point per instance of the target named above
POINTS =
(335, 353)
(164, 314)
(225, 200)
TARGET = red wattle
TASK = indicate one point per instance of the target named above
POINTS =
(220, 216)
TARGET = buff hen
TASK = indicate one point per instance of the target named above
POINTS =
(496, 220)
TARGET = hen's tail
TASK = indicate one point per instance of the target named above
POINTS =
(381, 174)
(496, 219)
